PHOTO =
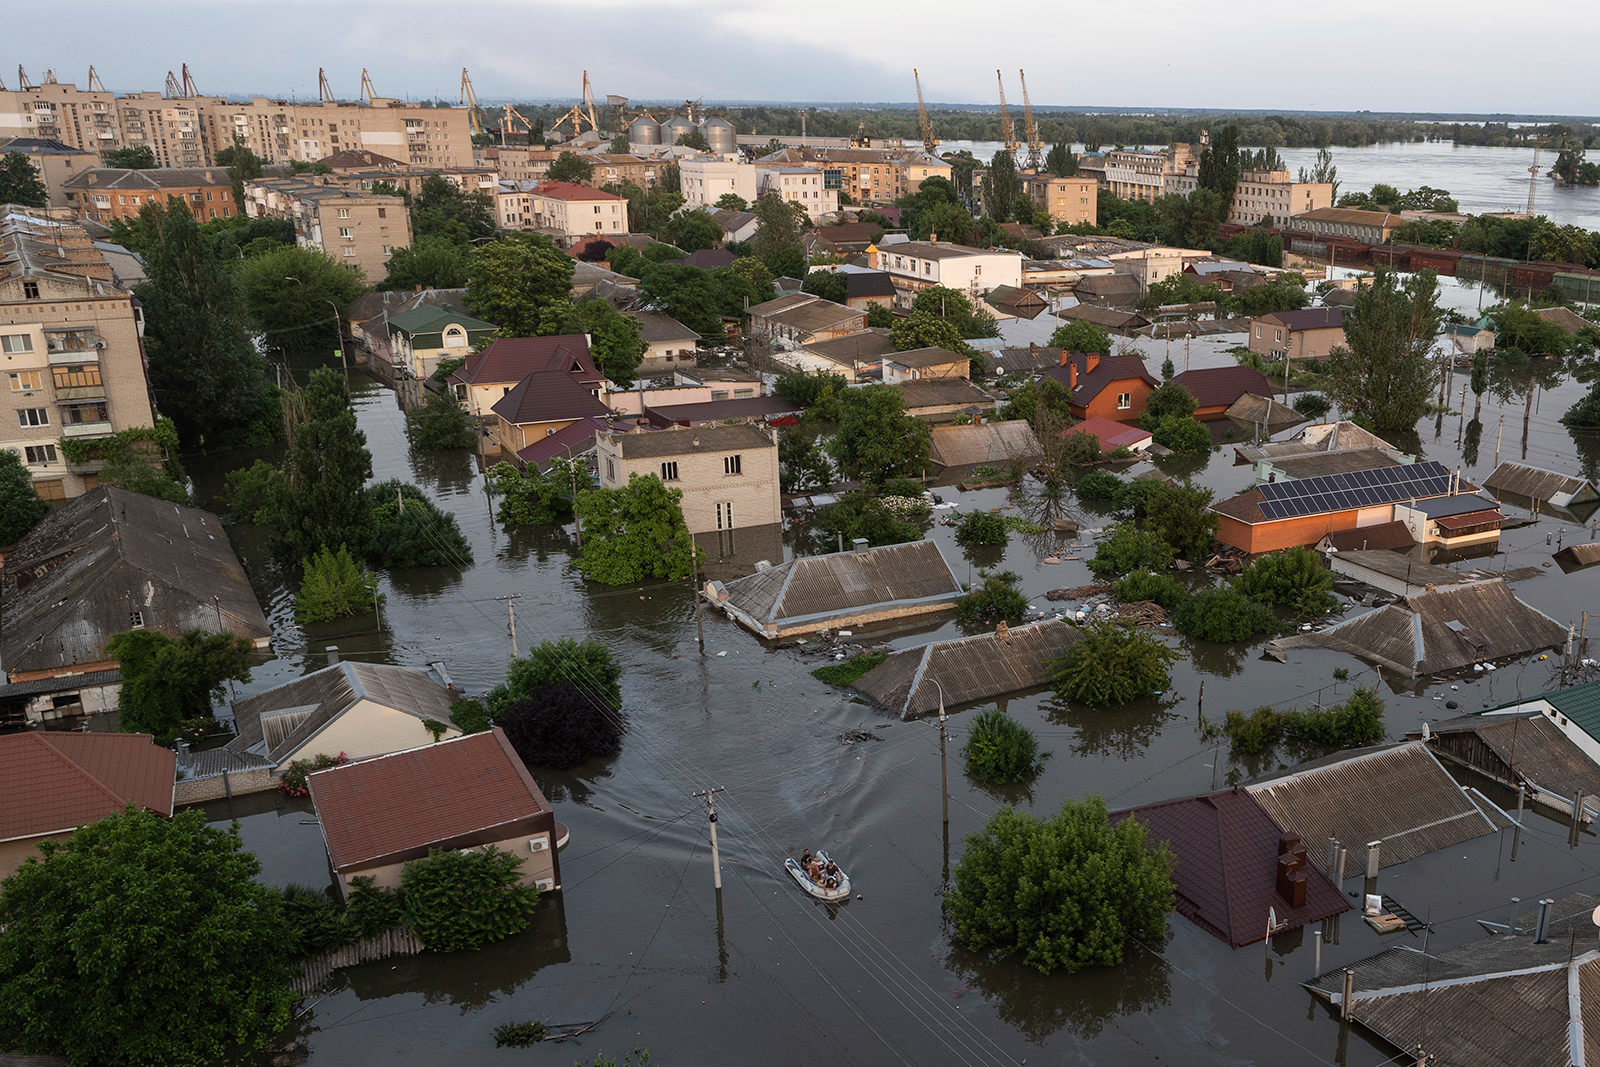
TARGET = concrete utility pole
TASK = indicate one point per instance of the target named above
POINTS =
(511, 616)
(711, 816)
(944, 774)
(694, 577)
(1497, 434)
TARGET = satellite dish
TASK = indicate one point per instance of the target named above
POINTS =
(1596, 917)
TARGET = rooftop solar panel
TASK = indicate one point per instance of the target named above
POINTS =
(1354, 489)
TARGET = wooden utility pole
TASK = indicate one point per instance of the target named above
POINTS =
(1497, 434)
(511, 617)
(711, 817)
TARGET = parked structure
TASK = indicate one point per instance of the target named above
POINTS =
(969, 669)
(359, 229)
(871, 176)
(1274, 194)
(935, 398)
(1113, 435)
(801, 186)
(570, 212)
(703, 181)
(728, 474)
(668, 342)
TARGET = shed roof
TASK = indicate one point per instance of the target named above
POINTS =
(1015, 360)
(423, 797)
(1321, 437)
(1443, 507)
(1535, 483)
(813, 588)
(1345, 461)
(868, 283)
(1530, 747)
(989, 442)
(1579, 703)
(1221, 386)
(1123, 321)
(1363, 565)
(1112, 434)
(1323, 318)
(970, 669)
(1397, 794)
(1386, 535)
(683, 442)
(279, 721)
(813, 316)
(573, 439)
(1226, 849)
(59, 781)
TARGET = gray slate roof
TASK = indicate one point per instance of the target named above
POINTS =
(276, 723)
(842, 584)
(992, 442)
(970, 669)
(657, 328)
(682, 442)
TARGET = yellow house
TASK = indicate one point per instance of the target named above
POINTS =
(423, 336)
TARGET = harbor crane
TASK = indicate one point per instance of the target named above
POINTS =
(181, 88)
(579, 113)
(22, 79)
(324, 90)
(50, 78)
(1008, 133)
(368, 93)
(928, 142)
(1031, 128)
(512, 117)
(1533, 176)
(469, 98)
(95, 84)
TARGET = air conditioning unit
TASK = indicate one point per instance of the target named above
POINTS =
(538, 844)
(545, 885)
(99, 344)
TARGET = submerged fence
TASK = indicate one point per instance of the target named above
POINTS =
(317, 971)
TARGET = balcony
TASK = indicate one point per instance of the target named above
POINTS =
(87, 429)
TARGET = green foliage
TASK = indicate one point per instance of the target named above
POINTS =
(1181, 516)
(432, 262)
(697, 298)
(955, 307)
(879, 317)
(922, 330)
(980, 528)
(334, 586)
(1113, 663)
(1181, 289)
(531, 498)
(1276, 295)
(442, 209)
(571, 167)
(464, 900)
(1294, 578)
(1219, 163)
(514, 283)
(165, 681)
(1029, 400)
(1061, 161)
(1000, 750)
(827, 284)
(519, 1035)
(469, 716)
(1080, 448)
(1188, 436)
(1168, 400)
(328, 465)
(1585, 414)
(776, 233)
(876, 438)
(257, 493)
(142, 940)
(633, 532)
(440, 423)
(1065, 893)
(614, 339)
(861, 514)
(21, 183)
(297, 315)
(587, 665)
(416, 533)
(1222, 615)
(1256, 246)
(731, 202)
(1355, 722)
(695, 230)
(997, 598)
(847, 671)
(20, 505)
(242, 164)
(1142, 585)
(1312, 405)
(1383, 373)
(143, 459)
(1000, 186)
(1129, 549)
(1521, 327)
(1082, 337)
(803, 466)
(1099, 485)
(293, 781)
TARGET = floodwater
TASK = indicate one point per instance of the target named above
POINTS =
(1482, 179)
(639, 936)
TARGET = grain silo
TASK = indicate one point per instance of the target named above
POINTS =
(719, 134)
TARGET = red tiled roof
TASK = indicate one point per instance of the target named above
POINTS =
(573, 191)
(60, 781)
(1109, 371)
(1112, 435)
(512, 359)
(422, 797)
(549, 396)
(1226, 848)
(1221, 386)
(1385, 535)
(1471, 518)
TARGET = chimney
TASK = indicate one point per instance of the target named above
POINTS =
(859, 544)
(1291, 883)
(333, 654)
(1072, 373)
(1066, 357)
(933, 238)
(1093, 361)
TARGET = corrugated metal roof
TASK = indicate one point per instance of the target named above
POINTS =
(843, 584)
(1535, 483)
(1386, 536)
(1251, 411)
(942, 392)
(1519, 748)
(991, 442)
(323, 696)
(970, 669)
(1319, 464)
(1399, 795)
(1391, 571)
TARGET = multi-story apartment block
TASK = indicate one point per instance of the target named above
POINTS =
(568, 212)
(280, 132)
(107, 193)
(62, 112)
(917, 265)
(358, 228)
(798, 185)
(613, 169)
(1070, 200)
(728, 474)
(705, 181)
(359, 169)
(175, 130)
(1274, 193)
(517, 163)
(70, 341)
(56, 162)
(867, 175)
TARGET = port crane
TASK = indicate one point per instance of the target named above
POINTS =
(579, 113)
(469, 98)
(324, 90)
(928, 142)
(181, 88)
(1008, 133)
(368, 93)
(1031, 128)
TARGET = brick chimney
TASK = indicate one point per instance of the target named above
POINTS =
(1093, 361)
(1072, 374)
(1292, 870)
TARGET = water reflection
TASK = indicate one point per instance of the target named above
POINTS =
(574, 784)
(1224, 661)
(1469, 450)
(452, 473)
(1124, 732)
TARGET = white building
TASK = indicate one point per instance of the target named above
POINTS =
(704, 181)
(916, 265)
(798, 185)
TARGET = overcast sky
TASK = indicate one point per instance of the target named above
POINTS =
(1466, 56)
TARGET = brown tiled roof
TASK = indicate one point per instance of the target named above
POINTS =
(1124, 321)
(60, 781)
(573, 191)
(1226, 850)
(942, 392)
(511, 359)
(678, 442)
(548, 396)
(422, 797)
(926, 357)
(1221, 386)
(358, 159)
(1323, 318)
(1108, 372)
(1386, 537)
(970, 669)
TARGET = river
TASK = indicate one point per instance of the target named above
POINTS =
(1482, 179)
(759, 973)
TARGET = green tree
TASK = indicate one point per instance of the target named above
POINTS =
(615, 343)
(1384, 373)
(879, 317)
(1188, 436)
(1522, 328)
(515, 283)
(457, 900)
(587, 665)
(922, 330)
(1192, 221)
(243, 166)
(827, 284)
(1294, 578)
(1142, 585)
(693, 139)
(20, 505)
(687, 294)
(955, 306)
(334, 586)
(1000, 750)
(166, 681)
(257, 494)
(1113, 663)
(695, 230)
(981, 528)
(1082, 337)
(776, 233)
(997, 598)
(142, 940)
(443, 209)
(1222, 615)
(1312, 405)
(861, 514)
(1219, 164)
(1027, 401)
(204, 371)
(532, 498)
(288, 292)
(732, 202)
(1064, 893)
(1129, 549)
(1169, 399)
(620, 145)
(440, 423)
(571, 167)
(1324, 172)
(1276, 295)
(877, 440)
(802, 465)
(412, 531)
(431, 262)
(1061, 161)
(139, 157)
(634, 532)
(1000, 186)
(1585, 414)
(1181, 516)
(561, 726)
(328, 465)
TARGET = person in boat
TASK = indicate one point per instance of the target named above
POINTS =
(814, 870)
(805, 860)
(832, 869)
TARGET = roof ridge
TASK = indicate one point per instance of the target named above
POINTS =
(40, 737)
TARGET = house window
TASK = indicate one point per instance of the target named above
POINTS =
(15, 343)
(383, 212)
(725, 516)
(41, 454)
(732, 464)
(76, 375)
(347, 233)
(1124, 401)
(136, 620)
(51, 489)
(349, 251)
(33, 416)
(344, 213)
(611, 469)
(1277, 335)
(24, 381)
(30, 290)
(1258, 332)
(669, 471)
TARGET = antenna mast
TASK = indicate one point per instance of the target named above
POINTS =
(922, 113)
(1035, 153)
(1008, 133)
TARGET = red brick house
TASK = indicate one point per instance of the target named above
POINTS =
(1215, 389)
(1111, 387)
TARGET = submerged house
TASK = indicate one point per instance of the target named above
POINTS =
(1523, 747)
(968, 669)
(997, 444)
(1547, 492)
(842, 589)
(1574, 711)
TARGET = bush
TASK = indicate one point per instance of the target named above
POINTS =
(412, 531)
(860, 514)
(1355, 722)
(1113, 663)
(561, 725)
(1130, 549)
(1312, 405)
(334, 586)
(1000, 750)
(997, 598)
(533, 499)
(293, 781)
(167, 683)
(1168, 401)
(1222, 615)
(1163, 589)
(588, 665)
(1294, 578)
(1066, 892)
(1184, 435)
(1181, 516)
(257, 493)
(519, 1035)
(1099, 485)
(845, 672)
(470, 716)
(464, 900)
(980, 528)
(441, 424)
(1585, 414)
(908, 487)
(818, 393)
(1080, 448)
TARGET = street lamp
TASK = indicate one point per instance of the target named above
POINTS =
(338, 328)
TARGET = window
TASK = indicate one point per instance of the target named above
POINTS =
(383, 212)
(136, 620)
(41, 453)
(669, 471)
(611, 469)
(30, 290)
(1277, 335)
(725, 516)
(347, 233)
(24, 381)
(76, 375)
(15, 342)
(349, 251)
(51, 489)
(344, 213)
(78, 414)
(1124, 401)
(732, 464)
(1258, 332)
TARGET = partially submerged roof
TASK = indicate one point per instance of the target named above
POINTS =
(1576, 557)
(1105, 372)
(820, 589)
(1399, 574)
(1387, 536)
(1321, 437)
(1112, 434)
(1117, 321)
(1226, 849)
(971, 669)
(1020, 360)
(989, 442)
(1439, 631)
(1263, 414)
(943, 392)
(1520, 749)
(1344, 461)
(1579, 703)
(58, 781)
(1399, 795)
(110, 561)
(1222, 386)
(1565, 493)
(467, 790)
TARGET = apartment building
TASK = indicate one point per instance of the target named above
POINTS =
(728, 474)
(56, 162)
(59, 111)
(1274, 193)
(867, 175)
(1140, 175)
(1373, 227)
(611, 168)
(916, 265)
(798, 185)
(568, 211)
(70, 339)
(358, 228)
(280, 131)
(355, 168)
(705, 181)
(515, 163)
(175, 130)
(108, 193)
(1069, 200)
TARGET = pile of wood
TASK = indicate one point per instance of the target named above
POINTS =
(1144, 613)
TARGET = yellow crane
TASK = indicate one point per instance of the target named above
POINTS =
(579, 113)
(512, 117)
(470, 98)
(178, 89)
(1008, 134)
(324, 90)
(95, 85)
(922, 114)
(1533, 176)
(22, 78)
(50, 78)
(368, 93)
(1035, 147)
